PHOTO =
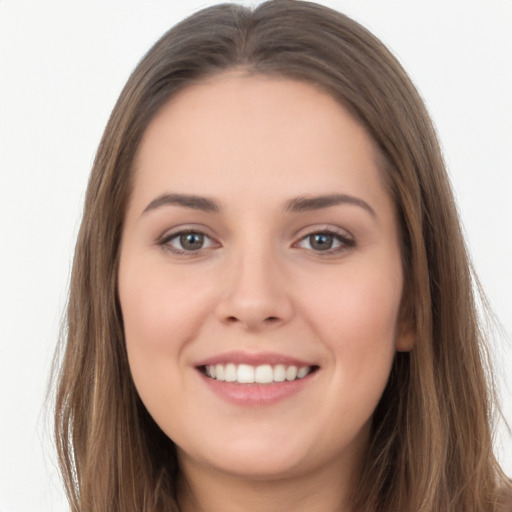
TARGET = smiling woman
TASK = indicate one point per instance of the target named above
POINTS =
(271, 304)
(278, 297)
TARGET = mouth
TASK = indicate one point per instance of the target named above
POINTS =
(261, 374)
(256, 379)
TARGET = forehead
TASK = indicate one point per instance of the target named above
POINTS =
(276, 134)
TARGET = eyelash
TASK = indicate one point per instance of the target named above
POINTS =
(344, 242)
(165, 242)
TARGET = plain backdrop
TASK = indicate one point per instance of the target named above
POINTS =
(62, 66)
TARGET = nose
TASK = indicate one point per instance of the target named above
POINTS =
(254, 296)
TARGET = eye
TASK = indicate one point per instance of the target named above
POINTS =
(325, 241)
(187, 242)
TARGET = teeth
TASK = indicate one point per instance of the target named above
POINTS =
(302, 372)
(264, 374)
(291, 373)
(230, 373)
(219, 372)
(245, 374)
(280, 373)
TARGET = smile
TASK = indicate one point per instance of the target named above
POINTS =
(257, 379)
(262, 374)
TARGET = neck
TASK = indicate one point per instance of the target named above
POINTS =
(324, 490)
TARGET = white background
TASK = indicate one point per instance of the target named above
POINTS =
(62, 66)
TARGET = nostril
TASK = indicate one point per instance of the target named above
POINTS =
(268, 320)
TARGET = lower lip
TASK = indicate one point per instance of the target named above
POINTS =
(256, 394)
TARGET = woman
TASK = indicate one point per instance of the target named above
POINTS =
(271, 300)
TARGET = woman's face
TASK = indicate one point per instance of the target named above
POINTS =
(260, 244)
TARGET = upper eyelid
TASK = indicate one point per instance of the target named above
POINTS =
(323, 228)
(176, 234)
(165, 239)
(347, 240)
(186, 228)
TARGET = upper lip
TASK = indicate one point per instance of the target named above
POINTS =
(253, 359)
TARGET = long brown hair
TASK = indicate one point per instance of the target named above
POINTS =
(431, 446)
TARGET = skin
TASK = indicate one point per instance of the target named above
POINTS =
(258, 284)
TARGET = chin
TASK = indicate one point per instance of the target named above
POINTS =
(252, 456)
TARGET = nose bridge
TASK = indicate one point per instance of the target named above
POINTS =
(255, 295)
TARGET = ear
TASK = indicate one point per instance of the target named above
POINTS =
(406, 329)
(406, 338)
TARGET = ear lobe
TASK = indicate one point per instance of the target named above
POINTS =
(406, 339)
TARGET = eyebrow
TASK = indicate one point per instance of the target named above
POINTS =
(306, 203)
(295, 205)
(188, 201)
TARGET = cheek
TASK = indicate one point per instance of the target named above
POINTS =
(356, 319)
(359, 306)
(161, 315)
(160, 310)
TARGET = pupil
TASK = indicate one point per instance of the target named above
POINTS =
(192, 241)
(321, 242)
